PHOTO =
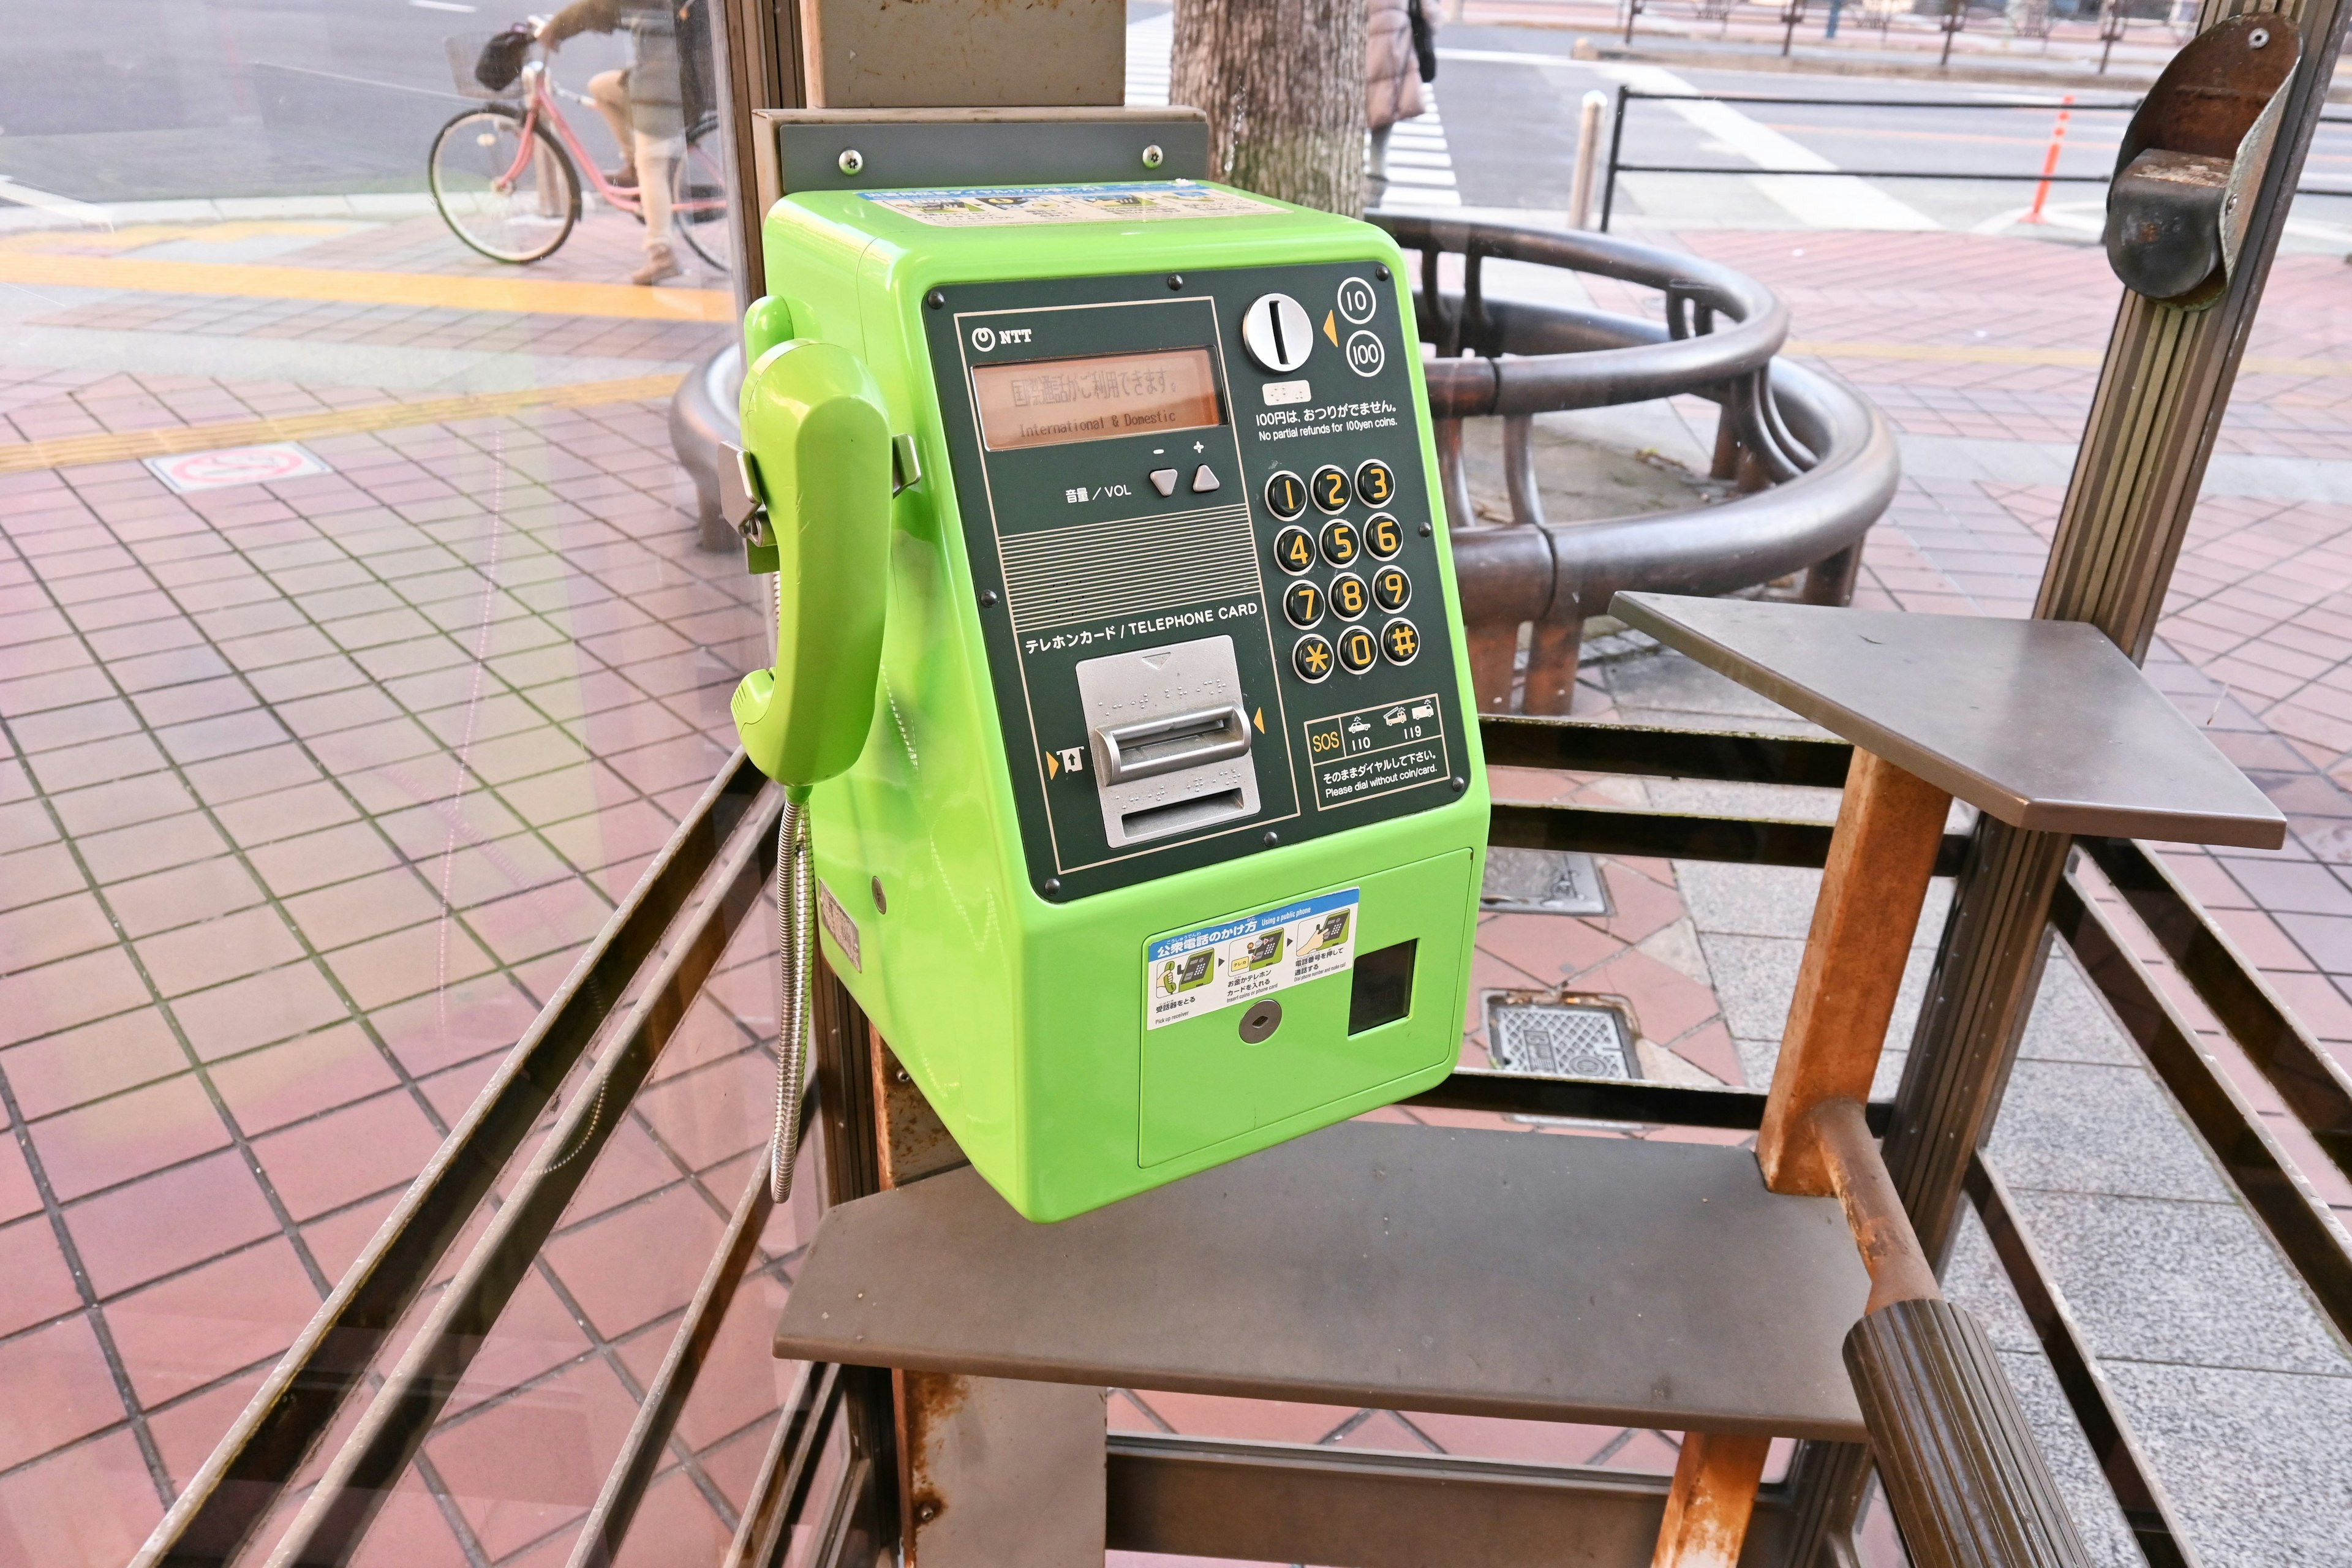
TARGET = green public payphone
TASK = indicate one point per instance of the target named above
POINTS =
(1119, 669)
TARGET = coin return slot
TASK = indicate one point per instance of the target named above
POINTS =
(1168, 746)
(1159, 821)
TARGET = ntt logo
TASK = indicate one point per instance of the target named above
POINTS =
(984, 338)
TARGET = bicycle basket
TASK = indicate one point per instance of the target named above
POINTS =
(487, 67)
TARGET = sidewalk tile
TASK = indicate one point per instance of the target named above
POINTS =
(347, 1154)
(59, 1390)
(74, 1067)
(35, 1283)
(109, 1142)
(196, 1328)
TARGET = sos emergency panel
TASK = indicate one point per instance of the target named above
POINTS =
(1165, 838)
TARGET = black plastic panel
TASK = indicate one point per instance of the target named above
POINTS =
(1071, 552)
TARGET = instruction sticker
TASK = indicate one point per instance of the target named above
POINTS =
(1255, 955)
(1010, 206)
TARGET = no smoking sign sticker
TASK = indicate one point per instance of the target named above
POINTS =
(233, 466)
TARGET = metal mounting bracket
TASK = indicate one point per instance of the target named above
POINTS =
(2183, 188)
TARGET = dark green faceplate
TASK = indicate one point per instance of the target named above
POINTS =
(1075, 555)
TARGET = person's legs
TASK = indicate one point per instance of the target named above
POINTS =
(609, 91)
(654, 155)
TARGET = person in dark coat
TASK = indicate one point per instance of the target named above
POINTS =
(1401, 53)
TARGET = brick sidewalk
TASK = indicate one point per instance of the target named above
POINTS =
(313, 791)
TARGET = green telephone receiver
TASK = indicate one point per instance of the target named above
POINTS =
(810, 492)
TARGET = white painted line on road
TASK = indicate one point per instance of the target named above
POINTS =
(64, 206)
(443, 5)
(1839, 202)
(1149, 44)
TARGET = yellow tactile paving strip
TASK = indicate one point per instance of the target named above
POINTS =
(75, 451)
(517, 295)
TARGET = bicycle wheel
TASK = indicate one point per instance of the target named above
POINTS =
(698, 184)
(508, 201)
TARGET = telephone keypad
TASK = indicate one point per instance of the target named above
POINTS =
(1350, 597)
(1358, 651)
(1285, 495)
(1375, 483)
(1391, 589)
(1383, 536)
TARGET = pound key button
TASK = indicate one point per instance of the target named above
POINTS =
(1358, 651)
(1341, 542)
(1285, 494)
(1383, 535)
(1375, 483)
(1302, 604)
(1399, 640)
(1391, 589)
(1312, 658)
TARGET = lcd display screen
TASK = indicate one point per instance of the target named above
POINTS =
(1047, 402)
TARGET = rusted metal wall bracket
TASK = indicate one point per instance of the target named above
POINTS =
(2179, 205)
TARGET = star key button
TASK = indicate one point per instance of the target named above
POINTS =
(1312, 658)
(1358, 651)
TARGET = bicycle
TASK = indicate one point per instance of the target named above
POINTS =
(505, 179)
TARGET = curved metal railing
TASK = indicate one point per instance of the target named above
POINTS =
(1817, 463)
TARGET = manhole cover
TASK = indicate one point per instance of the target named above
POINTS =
(1543, 882)
(1559, 1036)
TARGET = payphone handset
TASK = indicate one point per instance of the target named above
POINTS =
(814, 470)
(1159, 841)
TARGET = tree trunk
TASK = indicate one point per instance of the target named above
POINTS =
(1282, 84)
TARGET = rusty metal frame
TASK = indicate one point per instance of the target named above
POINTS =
(232, 1490)
(713, 864)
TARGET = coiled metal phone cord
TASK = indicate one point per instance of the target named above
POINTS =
(793, 919)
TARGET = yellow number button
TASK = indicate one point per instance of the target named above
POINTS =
(1357, 650)
(1303, 604)
(1383, 536)
(1293, 549)
(1349, 595)
(1285, 495)
(1341, 542)
(1391, 589)
(1375, 483)
(1330, 487)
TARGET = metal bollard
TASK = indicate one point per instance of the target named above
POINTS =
(1587, 159)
